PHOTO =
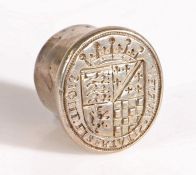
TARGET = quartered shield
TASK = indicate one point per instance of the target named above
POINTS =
(113, 97)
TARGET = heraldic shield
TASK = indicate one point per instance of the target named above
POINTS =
(113, 97)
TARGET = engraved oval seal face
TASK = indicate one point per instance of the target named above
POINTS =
(111, 89)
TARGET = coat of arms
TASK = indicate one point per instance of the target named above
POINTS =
(113, 97)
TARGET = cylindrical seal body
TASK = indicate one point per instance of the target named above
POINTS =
(49, 59)
(105, 84)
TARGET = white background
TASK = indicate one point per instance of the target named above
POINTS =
(32, 141)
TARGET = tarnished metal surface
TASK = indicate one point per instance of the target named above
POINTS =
(105, 84)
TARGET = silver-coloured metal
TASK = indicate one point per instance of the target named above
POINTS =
(105, 84)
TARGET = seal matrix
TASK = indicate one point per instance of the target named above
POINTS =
(106, 86)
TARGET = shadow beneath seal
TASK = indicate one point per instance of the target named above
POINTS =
(24, 122)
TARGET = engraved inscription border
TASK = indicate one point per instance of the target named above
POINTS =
(152, 103)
